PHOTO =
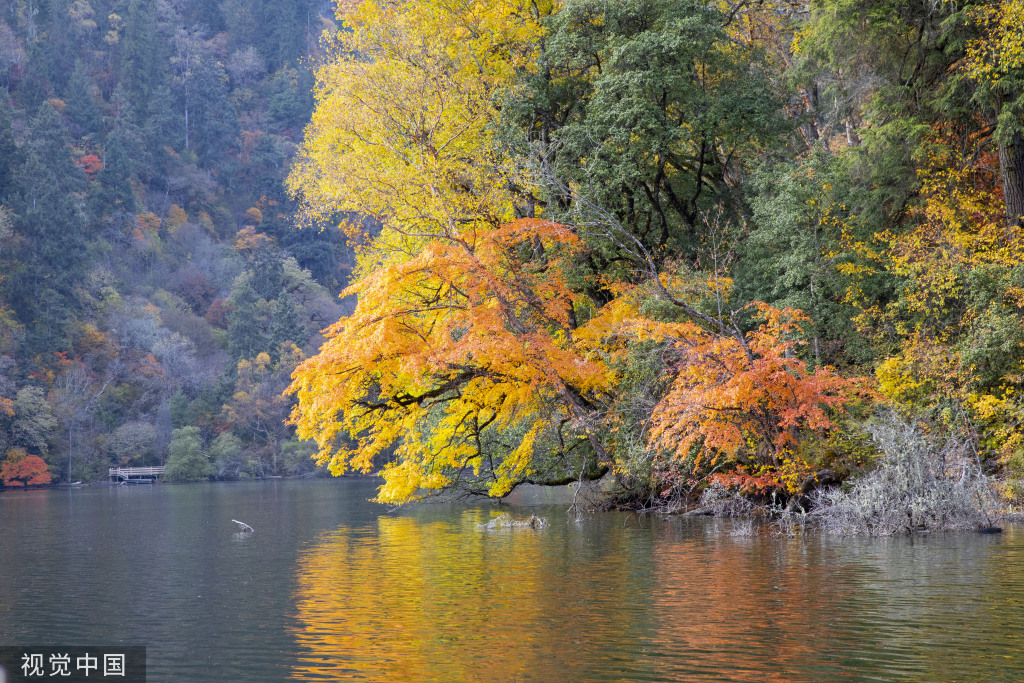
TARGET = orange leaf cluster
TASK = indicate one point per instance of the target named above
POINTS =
(91, 164)
(465, 336)
(24, 470)
(729, 397)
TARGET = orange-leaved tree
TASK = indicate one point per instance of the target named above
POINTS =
(748, 397)
(23, 469)
(460, 359)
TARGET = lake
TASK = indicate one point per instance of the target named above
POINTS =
(330, 586)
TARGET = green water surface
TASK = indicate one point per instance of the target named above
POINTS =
(333, 587)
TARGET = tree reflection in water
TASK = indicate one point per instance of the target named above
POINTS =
(432, 595)
(423, 600)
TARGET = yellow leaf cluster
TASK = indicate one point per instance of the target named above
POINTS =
(960, 227)
(1001, 49)
(399, 133)
(922, 373)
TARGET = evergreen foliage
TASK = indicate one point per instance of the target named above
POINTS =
(117, 239)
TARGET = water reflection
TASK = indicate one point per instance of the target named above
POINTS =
(736, 605)
(424, 599)
(816, 608)
(329, 588)
(616, 598)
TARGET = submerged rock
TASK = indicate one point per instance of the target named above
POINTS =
(505, 521)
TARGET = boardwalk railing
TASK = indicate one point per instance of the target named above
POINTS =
(135, 473)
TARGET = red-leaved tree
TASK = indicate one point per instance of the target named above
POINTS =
(22, 469)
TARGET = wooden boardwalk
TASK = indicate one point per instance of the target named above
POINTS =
(135, 475)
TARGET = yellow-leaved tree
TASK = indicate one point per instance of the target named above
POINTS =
(460, 352)
(460, 358)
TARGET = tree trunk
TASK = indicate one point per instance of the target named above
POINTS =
(71, 441)
(1011, 163)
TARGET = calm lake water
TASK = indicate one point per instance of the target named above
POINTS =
(333, 587)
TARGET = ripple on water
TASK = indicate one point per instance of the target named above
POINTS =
(329, 587)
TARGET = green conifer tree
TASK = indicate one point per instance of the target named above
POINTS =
(285, 322)
(82, 113)
(9, 154)
(246, 322)
(115, 191)
(53, 255)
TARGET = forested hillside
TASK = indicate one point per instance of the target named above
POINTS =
(688, 242)
(154, 294)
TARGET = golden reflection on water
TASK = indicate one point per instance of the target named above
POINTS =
(438, 600)
(415, 599)
(432, 596)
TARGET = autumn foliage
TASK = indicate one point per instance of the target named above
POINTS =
(958, 316)
(23, 469)
(91, 164)
(481, 355)
(754, 395)
(463, 341)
